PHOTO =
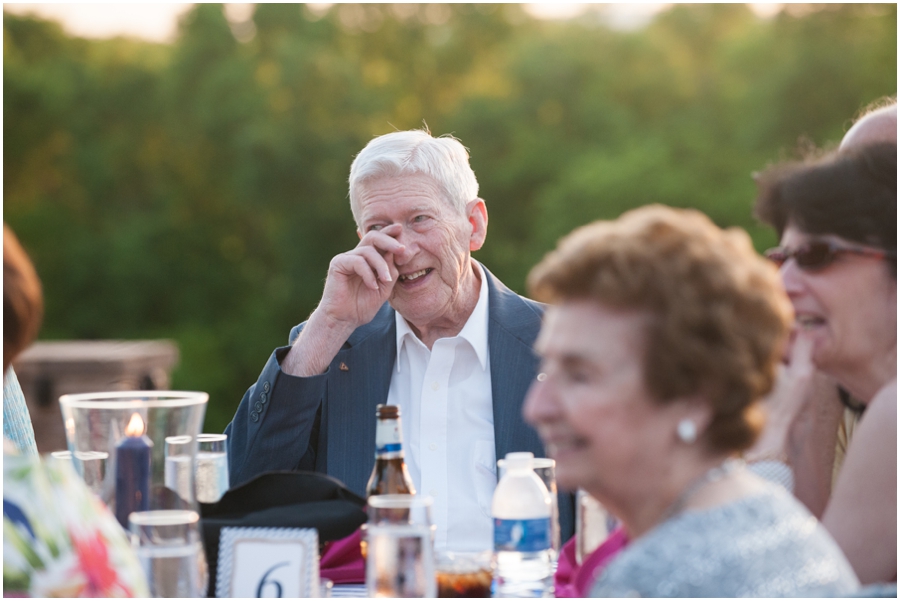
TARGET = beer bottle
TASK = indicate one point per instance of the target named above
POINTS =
(389, 476)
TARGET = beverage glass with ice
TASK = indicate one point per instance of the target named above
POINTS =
(211, 469)
(179, 467)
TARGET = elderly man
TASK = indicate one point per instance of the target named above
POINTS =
(406, 318)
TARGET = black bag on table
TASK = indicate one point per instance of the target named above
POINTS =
(282, 500)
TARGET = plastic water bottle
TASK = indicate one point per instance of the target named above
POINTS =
(521, 509)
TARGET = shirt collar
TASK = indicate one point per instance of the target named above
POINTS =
(475, 332)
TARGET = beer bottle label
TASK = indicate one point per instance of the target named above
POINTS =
(523, 536)
(388, 442)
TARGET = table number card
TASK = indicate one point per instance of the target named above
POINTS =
(268, 562)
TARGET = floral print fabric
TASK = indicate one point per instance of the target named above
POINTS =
(59, 539)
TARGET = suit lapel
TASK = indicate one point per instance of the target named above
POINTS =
(352, 394)
(512, 328)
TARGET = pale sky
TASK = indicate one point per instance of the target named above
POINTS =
(158, 22)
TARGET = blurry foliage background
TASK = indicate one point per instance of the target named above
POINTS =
(197, 190)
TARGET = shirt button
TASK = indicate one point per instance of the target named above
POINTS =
(432, 446)
(266, 386)
(435, 385)
(254, 416)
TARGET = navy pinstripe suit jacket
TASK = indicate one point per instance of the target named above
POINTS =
(324, 423)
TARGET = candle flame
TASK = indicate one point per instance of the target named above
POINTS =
(135, 426)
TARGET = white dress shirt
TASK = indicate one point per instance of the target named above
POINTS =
(447, 418)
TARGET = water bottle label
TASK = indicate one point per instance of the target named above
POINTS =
(524, 536)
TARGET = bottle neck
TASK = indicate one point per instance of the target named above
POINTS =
(388, 439)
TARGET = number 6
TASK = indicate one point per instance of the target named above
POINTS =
(263, 581)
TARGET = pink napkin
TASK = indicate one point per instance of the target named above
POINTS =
(573, 580)
(342, 561)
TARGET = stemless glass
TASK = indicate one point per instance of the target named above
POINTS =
(212, 467)
(326, 587)
(91, 465)
(61, 455)
(593, 524)
(400, 539)
(467, 574)
(169, 548)
(179, 469)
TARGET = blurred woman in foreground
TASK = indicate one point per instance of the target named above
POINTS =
(836, 218)
(59, 540)
(664, 334)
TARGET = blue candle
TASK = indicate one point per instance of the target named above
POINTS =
(132, 471)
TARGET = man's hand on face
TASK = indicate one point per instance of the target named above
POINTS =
(361, 280)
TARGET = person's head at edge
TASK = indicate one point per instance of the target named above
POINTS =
(423, 187)
(658, 318)
(23, 306)
(877, 124)
(841, 209)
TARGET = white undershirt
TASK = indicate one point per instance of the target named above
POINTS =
(447, 418)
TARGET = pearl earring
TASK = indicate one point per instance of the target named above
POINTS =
(687, 431)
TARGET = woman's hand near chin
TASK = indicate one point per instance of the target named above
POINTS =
(788, 399)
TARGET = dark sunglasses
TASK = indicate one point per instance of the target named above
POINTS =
(821, 253)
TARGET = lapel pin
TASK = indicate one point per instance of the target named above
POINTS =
(344, 367)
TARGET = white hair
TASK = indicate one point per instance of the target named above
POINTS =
(400, 153)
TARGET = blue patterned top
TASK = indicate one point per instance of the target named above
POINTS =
(16, 420)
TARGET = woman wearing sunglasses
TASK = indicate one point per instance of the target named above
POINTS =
(837, 221)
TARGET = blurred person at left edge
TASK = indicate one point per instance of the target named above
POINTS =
(59, 539)
(407, 318)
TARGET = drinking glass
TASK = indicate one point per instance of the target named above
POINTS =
(92, 467)
(545, 469)
(400, 541)
(61, 455)
(464, 574)
(212, 467)
(593, 524)
(179, 469)
(326, 587)
(170, 550)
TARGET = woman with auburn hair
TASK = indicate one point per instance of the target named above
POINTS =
(836, 217)
(664, 334)
(23, 308)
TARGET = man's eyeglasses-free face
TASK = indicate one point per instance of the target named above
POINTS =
(819, 254)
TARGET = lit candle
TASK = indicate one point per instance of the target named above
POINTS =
(132, 471)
